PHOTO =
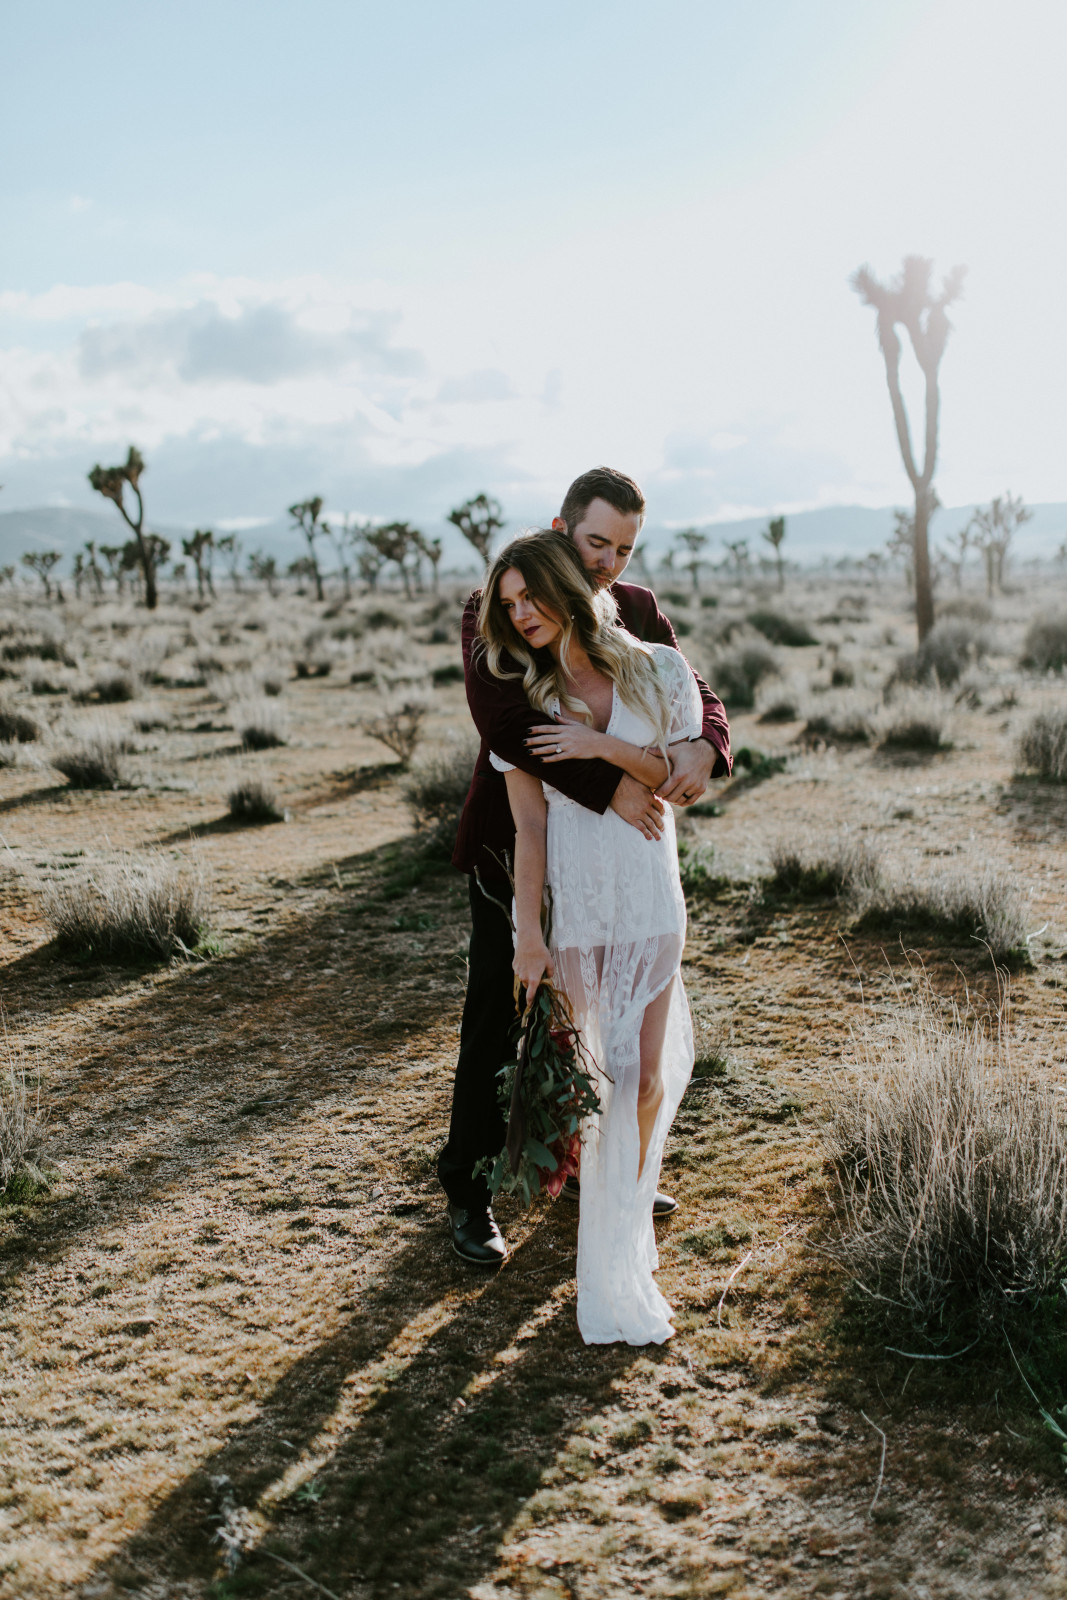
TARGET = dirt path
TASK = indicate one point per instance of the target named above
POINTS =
(237, 1311)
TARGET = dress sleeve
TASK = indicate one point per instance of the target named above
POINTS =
(500, 764)
(683, 695)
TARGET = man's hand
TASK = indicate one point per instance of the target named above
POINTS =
(692, 761)
(639, 807)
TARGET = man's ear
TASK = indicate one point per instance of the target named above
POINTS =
(559, 525)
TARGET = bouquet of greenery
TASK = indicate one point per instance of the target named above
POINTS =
(546, 1092)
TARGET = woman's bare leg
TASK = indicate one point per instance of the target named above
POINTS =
(650, 1091)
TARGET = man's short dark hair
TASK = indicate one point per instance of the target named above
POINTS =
(602, 483)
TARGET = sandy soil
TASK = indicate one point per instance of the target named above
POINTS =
(236, 1311)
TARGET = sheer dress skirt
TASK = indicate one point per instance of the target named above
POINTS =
(617, 942)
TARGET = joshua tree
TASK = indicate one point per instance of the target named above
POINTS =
(264, 569)
(41, 562)
(7, 574)
(955, 552)
(92, 567)
(739, 555)
(200, 549)
(395, 541)
(994, 527)
(302, 568)
(369, 559)
(478, 519)
(111, 482)
(774, 533)
(306, 517)
(910, 302)
(229, 547)
(693, 541)
(432, 550)
(341, 539)
(112, 554)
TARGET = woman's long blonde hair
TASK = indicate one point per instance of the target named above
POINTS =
(559, 586)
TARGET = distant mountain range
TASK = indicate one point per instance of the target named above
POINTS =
(811, 536)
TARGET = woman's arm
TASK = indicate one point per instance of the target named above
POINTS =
(532, 959)
(563, 741)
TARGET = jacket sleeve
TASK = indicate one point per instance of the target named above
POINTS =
(503, 716)
(657, 629)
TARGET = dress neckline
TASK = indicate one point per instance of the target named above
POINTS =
(611, 717)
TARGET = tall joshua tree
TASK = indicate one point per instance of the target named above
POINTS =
(306, 515)
(910, 302)
(992, 528)
(774, 533)
(693, 541)
(112, 483)
(478, 519)
(200, 549)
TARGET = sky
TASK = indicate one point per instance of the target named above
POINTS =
(398, 255)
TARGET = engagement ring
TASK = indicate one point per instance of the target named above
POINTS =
(559, 749)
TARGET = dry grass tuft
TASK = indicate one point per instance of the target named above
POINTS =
(254, 800)
(983, 905)
(22, 1126)
(16, 727)
(93, 761)
(952, 645)
(915, 721)
(840, 719)
(115, 685)
(259, 724)
(149, 909)
(738, 672)
(1043, 746)
(951, 1171)
(398, 725)
(436, 789)
(1045, 644)
(842, 868)
(9, 755)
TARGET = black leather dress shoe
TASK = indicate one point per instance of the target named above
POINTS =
(664, 1205)
(476, 1238)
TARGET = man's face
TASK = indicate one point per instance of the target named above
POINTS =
(605, 539)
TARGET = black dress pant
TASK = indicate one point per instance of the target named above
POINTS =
(478, 1125)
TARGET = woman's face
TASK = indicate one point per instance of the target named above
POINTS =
(538, 627)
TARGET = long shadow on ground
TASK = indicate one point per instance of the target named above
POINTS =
(439, 1452)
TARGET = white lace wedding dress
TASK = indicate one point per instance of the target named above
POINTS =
(617, 936)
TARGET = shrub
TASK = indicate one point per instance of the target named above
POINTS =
(16, 727)
(739, 671)
(843, 675)
(9, 755)
(115, 684)
(1043, 745)
(254, 800)
(839, 720)
(93, 761)
(436, 789)
(782, 708)
(1045, 644)
(451, 673)
(144, 910)
(676, 597)
(398, 725)
(696, 869)
(381, 618)
(272, 680)
(970, 606)
(259, 724)
(951, 1173)
(985, 905)
(150, 718)
(780, 629)
(757, 764)
(915, 722)
(22, 1127)
(842, 868)
(952, 645)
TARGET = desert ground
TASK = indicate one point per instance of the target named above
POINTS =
(238, 1355)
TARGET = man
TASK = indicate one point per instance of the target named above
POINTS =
(603, 511)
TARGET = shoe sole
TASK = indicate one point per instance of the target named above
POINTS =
(473, 1261)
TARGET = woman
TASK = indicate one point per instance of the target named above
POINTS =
(618, 913)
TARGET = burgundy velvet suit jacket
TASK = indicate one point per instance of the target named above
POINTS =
(503, 716)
